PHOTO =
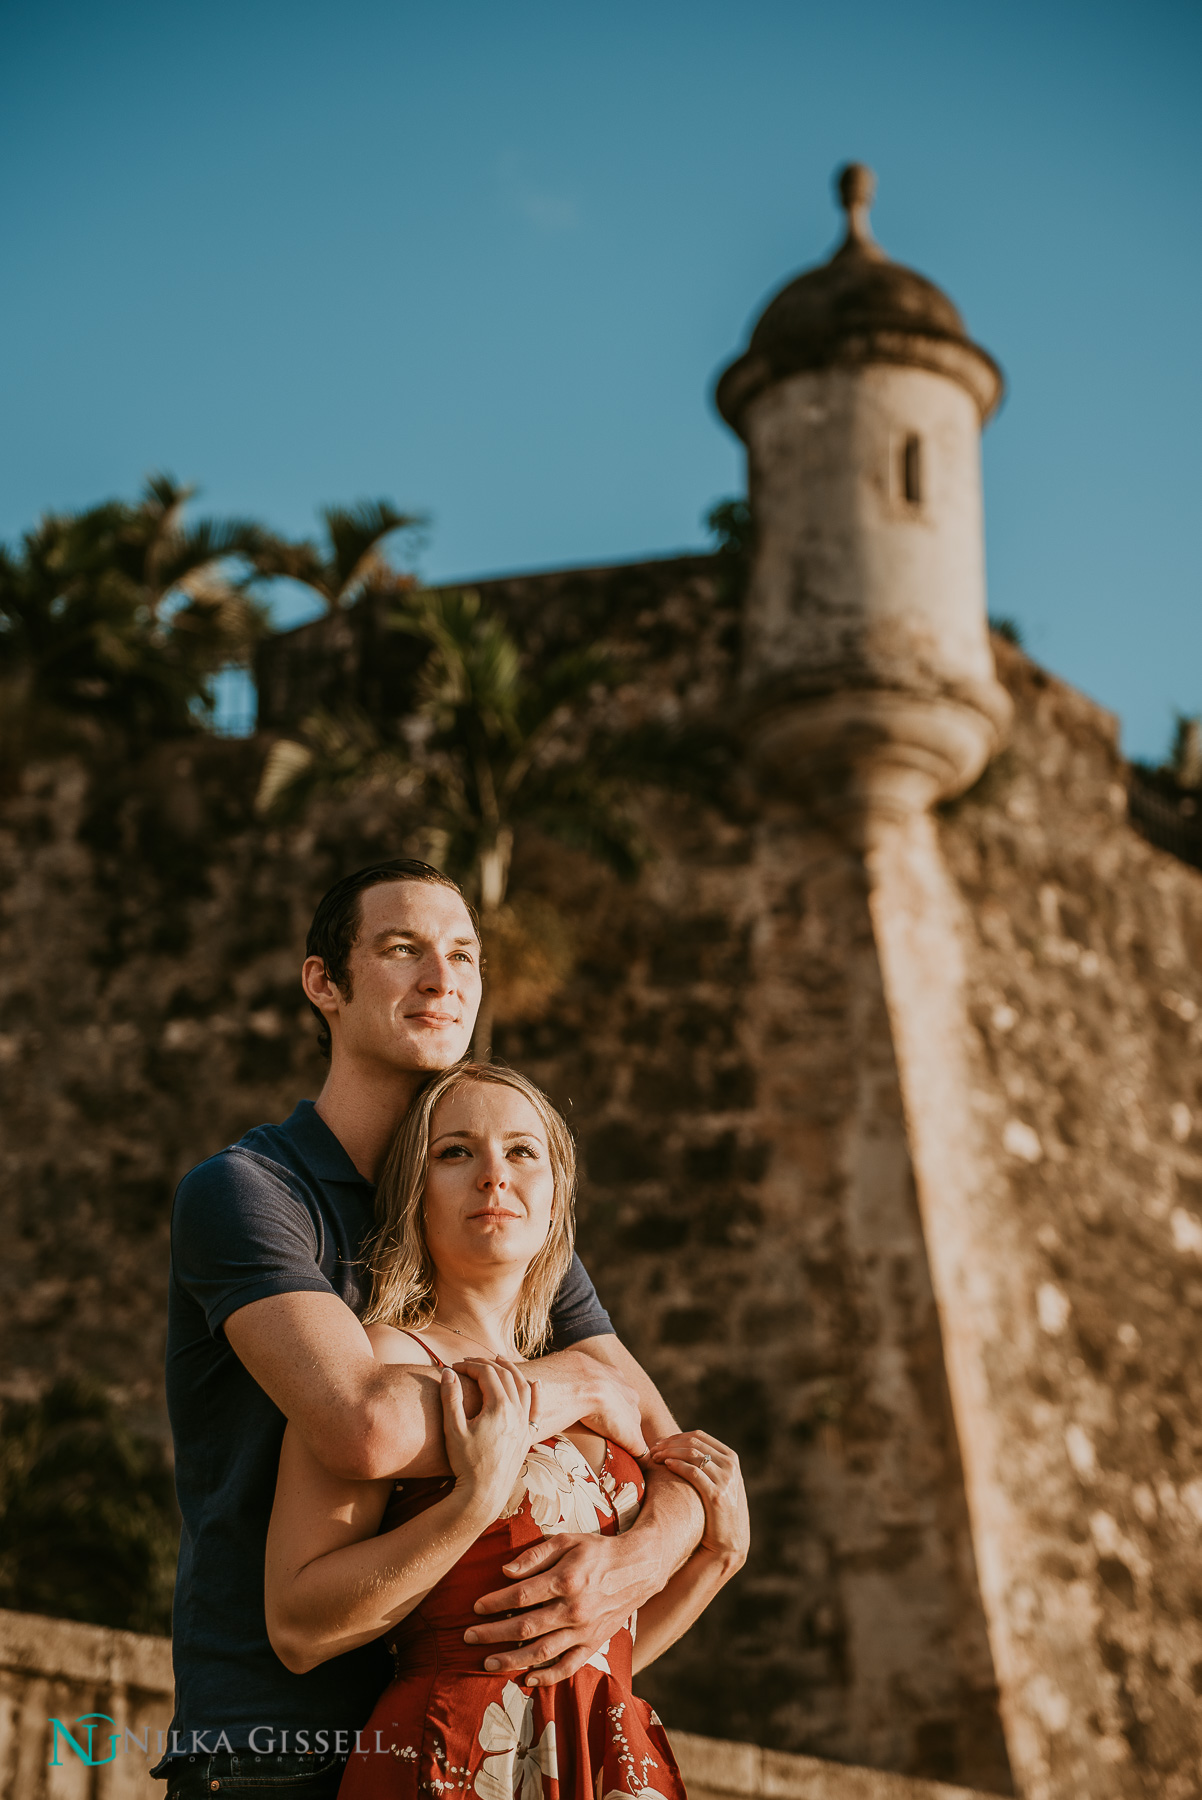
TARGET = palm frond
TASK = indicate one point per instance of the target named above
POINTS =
(287, 761)
(163, 499)
(296, 560)
(355, 534)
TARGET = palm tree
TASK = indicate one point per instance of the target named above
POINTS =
(152, 550)
(492, 745)
(351, 563)
(115, 620)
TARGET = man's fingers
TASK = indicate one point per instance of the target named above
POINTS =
(548, 1657)
(551, 1613)
(543, 1555)
(535, 1590)
(565, 1665)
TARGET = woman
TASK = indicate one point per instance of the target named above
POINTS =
(475, 1235)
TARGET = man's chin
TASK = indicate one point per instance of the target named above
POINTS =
(440, 1050)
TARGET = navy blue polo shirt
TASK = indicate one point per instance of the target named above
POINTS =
(282, 1211)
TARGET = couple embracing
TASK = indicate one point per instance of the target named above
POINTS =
(425, 1542)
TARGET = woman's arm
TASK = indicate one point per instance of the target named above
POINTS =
(721, 1552)
(332, 1583)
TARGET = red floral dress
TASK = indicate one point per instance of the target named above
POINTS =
(448, 1729)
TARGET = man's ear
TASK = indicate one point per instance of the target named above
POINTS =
(320, 990)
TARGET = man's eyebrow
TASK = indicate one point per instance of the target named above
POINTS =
(407, 931)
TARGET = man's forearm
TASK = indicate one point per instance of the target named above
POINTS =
(402, 1432)
(670, 1524)
(393, 1426)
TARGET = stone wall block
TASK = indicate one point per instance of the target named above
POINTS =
(57, 1669)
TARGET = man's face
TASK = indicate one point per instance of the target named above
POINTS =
(414, 979)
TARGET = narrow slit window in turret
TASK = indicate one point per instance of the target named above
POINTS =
(911, 469)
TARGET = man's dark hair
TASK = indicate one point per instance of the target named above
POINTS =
(339, 915)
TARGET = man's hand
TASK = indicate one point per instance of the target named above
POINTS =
(584, 1587)
(617, 1413)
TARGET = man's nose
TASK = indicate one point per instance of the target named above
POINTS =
(436, 975)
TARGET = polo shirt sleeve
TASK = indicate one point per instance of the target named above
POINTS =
(241, 1231)
(577, 1313)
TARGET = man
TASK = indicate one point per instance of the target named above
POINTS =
(266, 1278)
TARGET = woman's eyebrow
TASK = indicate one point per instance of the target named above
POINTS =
(508, 1136)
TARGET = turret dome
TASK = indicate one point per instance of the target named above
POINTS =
(860, 307)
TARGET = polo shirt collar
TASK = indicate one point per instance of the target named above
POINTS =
(317, 1145)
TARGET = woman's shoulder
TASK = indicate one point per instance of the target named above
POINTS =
(392, 1345)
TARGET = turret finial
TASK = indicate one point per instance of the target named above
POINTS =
(856, 185)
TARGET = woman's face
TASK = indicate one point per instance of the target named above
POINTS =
(489, 1188)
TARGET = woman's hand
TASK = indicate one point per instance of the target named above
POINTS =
(486, 1453)
(713, 1469)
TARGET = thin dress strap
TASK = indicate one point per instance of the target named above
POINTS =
(430, 1353)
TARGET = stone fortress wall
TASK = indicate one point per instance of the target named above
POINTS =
(54, 1670)
(884, 1072)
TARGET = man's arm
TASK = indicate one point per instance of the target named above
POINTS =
(585, 1587)
(361, 1419)
(364, 1419)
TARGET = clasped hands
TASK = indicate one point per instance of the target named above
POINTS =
(575, 1590)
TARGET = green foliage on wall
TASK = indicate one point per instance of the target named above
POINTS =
(88, 1524)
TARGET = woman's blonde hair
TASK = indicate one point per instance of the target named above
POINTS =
(401, 1269)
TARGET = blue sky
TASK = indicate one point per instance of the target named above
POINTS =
(486, 260)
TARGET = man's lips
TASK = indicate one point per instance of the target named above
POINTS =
(434, 1018)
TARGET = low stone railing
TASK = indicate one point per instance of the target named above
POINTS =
(54, 1670)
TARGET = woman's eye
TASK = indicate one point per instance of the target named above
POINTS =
(452, 1150)
(524, 1150)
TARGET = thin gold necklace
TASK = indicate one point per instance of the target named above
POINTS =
(479, 1342)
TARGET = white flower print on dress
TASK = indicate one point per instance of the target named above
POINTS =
(626, 1504)
(515, 1768)
(562, 1489)
(635, 1775)
(624, 1501)
(600, 1659)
